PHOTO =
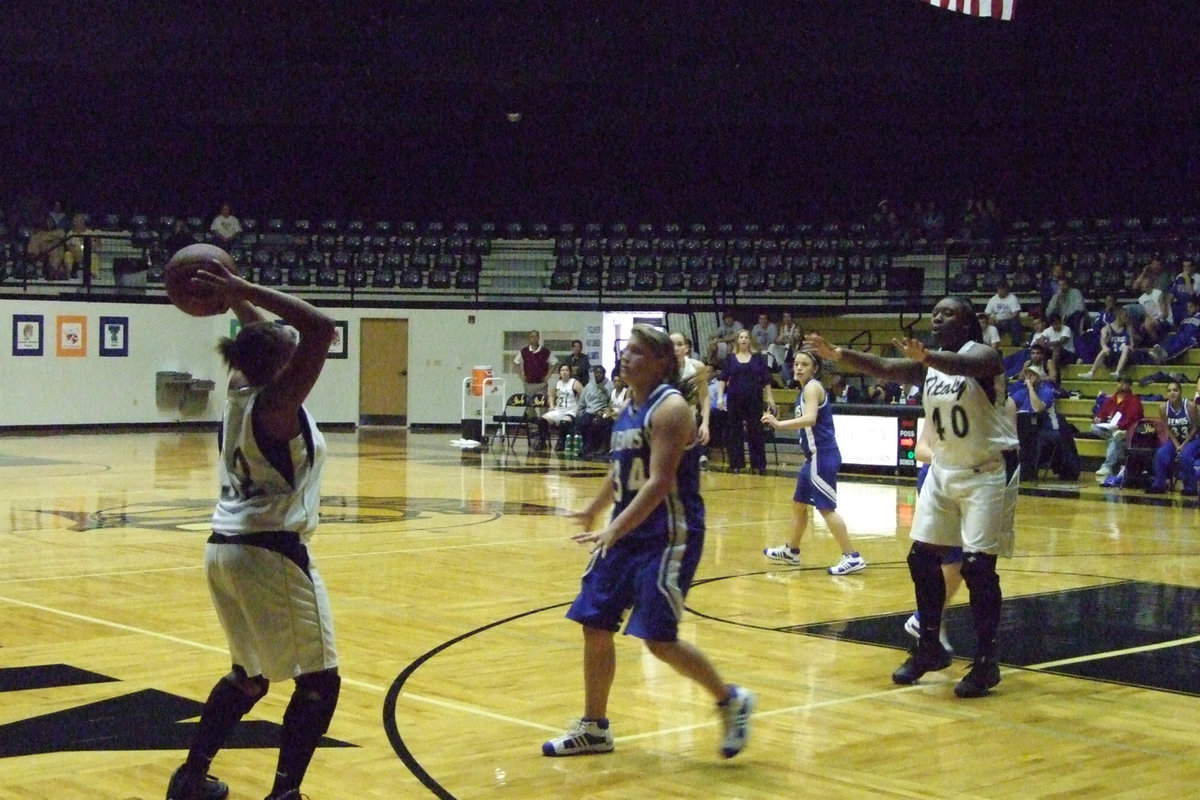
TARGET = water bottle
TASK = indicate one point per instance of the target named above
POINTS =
(576, 445)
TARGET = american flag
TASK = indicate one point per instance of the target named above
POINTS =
(999, 9)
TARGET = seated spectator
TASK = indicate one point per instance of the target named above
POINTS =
(1180, 418)
(46, 250)
(595, 420)
(1058, 338)
(1037, 420)
(1068, 303)
(1185, 286)
(1116, 346)
(991, 336)
(842, 392)
(724, 336)
(76, 244)
(1057, 270)
(1154, 309)
(181, 236)
(225, 228)
(563, 404)
(764, 333)
(1004, 309)
(1182, 339)
(1117, 417)
(1107, 314)
(1039, 356)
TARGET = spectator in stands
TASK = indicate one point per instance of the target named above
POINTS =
(788, 339)
(58, 215)
(1005, 311)
(1153, 276)
(181, 236)
(595, 415)
(1037, 421)
(47, 251)
(1180, 418)
(991, 336)
(1039, 356)
(534, 362)
(1116, 346)
(933, 223)
(743, 382)
(1182, 339)
(725, 335)
(1184, 287)
(76, 245)
(1061, 343)
(842, 392)
(1117, 417)
(1057, 270)
(225, 228)
(765, 333)
(1068, 303)
(1154, 314)
(1107, 314)
(580, 364)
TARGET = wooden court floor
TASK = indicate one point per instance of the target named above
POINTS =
(450, 574)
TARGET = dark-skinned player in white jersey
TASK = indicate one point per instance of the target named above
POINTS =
(969, 497)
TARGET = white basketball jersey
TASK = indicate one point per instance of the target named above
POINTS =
(969, 428)
(280, 491)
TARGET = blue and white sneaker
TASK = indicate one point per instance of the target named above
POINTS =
(735, 714)
(584, 737)
(912, 626)
(851, 562)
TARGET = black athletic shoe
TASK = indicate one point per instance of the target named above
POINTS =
(920, 662)
(984, 674)
(187, 785)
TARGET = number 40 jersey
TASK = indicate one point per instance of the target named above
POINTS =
(970, 426)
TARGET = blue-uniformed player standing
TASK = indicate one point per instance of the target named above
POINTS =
(645, 556)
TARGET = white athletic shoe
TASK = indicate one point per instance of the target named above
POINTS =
(912, 626)
(851, 562)
(783, 553)
(584, 737)
(735, 714)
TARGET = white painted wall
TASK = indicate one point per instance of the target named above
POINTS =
(50, 390)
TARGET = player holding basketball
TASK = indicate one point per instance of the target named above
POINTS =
(969, 497)
(646, 555)
(266, 589)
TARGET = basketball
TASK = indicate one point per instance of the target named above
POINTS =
(198, 301)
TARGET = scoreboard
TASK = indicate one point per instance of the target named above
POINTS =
(878, 438)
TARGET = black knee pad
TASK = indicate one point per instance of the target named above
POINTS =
(978, 567)
(923, 557)
(314, 701)
(231, 691)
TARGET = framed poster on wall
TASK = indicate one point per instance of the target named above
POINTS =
(27, 334)
(71, 341)
(340, 347)
(114, 337)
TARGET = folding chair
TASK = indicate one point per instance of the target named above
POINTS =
(519, 413)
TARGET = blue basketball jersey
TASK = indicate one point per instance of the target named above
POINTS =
(1177, 420)
(681, 515)
(820, 437)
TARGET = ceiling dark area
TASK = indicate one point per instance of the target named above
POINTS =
(700, 110)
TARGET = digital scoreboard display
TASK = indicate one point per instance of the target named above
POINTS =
(879, 437)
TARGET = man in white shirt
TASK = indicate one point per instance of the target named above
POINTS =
(225, 227)
(1005, 310)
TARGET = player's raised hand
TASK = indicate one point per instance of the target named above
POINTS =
(911, 348)
(816, 342)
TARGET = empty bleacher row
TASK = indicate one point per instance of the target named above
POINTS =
(669, 258)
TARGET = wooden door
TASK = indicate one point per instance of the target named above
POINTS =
(383, 372)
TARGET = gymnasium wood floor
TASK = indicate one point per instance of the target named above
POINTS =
(450, 573)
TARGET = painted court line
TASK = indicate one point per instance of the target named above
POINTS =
(1146, 648)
